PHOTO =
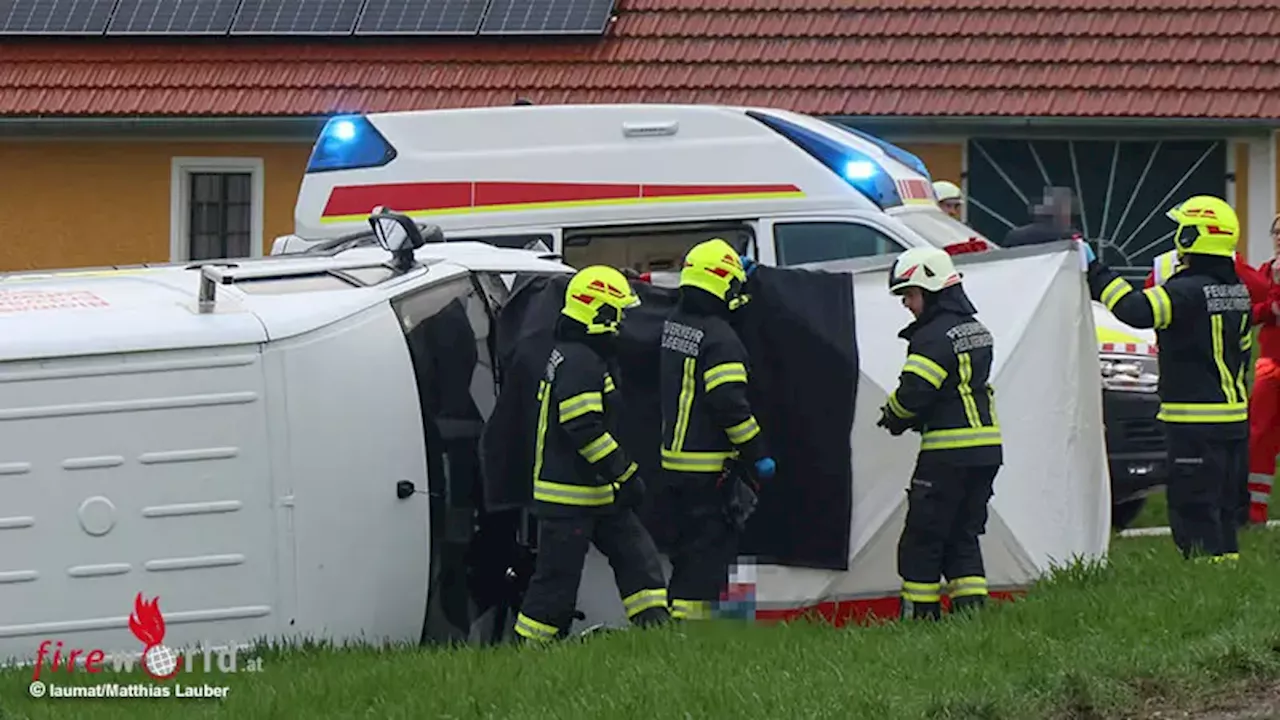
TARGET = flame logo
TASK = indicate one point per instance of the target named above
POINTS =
(147, 624)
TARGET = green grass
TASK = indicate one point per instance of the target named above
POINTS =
(1155, 513)
(1090, 642)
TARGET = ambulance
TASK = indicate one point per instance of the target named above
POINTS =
(634, 186)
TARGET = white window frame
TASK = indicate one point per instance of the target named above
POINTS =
(180, 199)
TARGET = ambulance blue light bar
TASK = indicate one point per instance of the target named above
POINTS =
(906, 158)
(349, 142)
(864, 174)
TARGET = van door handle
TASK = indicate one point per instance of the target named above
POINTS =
(405, 489)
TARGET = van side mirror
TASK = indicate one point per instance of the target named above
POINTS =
(399, 235)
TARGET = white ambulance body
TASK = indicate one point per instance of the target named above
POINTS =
(627, 185)
(248, 463)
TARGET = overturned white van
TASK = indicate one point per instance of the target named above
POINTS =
(288, 447)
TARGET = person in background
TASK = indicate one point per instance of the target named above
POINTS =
(944, 392)
(585, 486)
(1264, 403)
(1202, 318)
(1050, 221)
(950, 198)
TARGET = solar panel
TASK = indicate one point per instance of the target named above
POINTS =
(55, 17)
(173, 17)
(421, 17)
(296, 17)
(547, 17)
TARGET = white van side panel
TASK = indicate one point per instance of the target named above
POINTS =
(127, 473)
(354, 430)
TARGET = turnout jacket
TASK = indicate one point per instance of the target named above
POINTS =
(578, 462)
(944, 389)
(1202, 316)
(703, 372)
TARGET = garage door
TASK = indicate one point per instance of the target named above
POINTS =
(1124, 188)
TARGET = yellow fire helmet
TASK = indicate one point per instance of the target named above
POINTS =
(1206, 226)
(596, 297)
(714, 266)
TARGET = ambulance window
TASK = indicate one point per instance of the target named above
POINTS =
(800, 243)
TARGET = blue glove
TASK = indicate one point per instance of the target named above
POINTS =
(748, 265)
(765, 467)
(1088, 251)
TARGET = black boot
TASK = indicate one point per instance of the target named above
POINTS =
(652, 617)
(967, 602)
(921, 610)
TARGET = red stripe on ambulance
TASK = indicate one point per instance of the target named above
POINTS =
(416, 197)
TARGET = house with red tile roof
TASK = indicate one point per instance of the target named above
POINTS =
(163, 148)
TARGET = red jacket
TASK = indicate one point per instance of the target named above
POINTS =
(1263, 292)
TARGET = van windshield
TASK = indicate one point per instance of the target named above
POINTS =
(939, 228)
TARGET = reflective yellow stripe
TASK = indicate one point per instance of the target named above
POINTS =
(608, 384)
(684, 408)
(931, 371)
(922, 592)
(896, 407)
(626, 474)
(578, 495)
(1115, 290)
(968, 586)
(991, 405)
(743, 431)
(638, 602)
(724, 373)
(532, 629)
(1204, 412)
(581, 404)
(966, 392)
(598, 449)
(1161, 307)
(690, 609)
(960, 438)
(1246, 345)
(1225, 380)
(540, 445)
(684, 461)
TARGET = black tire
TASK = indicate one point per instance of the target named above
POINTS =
(1124, 513)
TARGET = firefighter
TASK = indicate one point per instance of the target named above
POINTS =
(706, 421)
(944, 393)
(1202, 318)
(1264, 403)
(585, 486)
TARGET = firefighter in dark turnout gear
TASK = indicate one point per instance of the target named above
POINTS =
(944, 393)
(585, 486)
(706, 419)
(1202, 319)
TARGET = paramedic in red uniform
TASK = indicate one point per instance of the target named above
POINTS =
(944, 393)
(706, 419)
(585, 486)
(1264, 404)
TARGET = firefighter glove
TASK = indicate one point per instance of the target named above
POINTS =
(765, 468)
(1089, 254)
(748, 265)
(630, 494)
(894, 424)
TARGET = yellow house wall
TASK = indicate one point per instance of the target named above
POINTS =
(86, 203)
(944, 160)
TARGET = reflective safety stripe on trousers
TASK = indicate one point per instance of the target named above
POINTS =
(969, 586)
(690, 609)
(641, 600)
(921, 592)
(527, 627)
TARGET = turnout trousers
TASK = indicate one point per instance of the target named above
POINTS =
(563, 542)
(946, 516)
(1264, 437)
(1208, 489)
(704, 547)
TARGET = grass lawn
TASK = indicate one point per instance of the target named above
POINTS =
(1089, 643)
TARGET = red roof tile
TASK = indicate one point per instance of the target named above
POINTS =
(1135, 58)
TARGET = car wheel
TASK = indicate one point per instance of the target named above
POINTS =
(1123, 514)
